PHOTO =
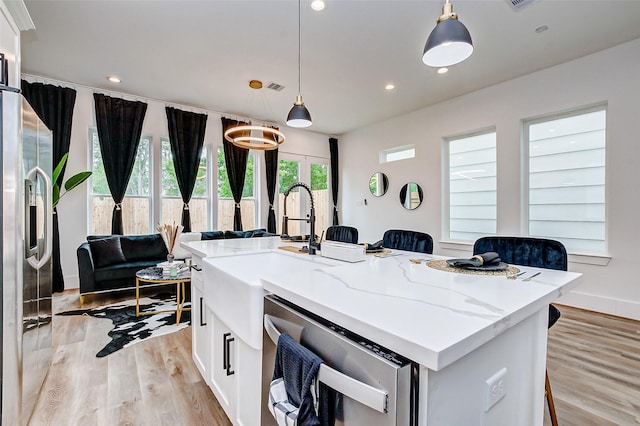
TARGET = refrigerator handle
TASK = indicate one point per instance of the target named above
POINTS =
(48, 217)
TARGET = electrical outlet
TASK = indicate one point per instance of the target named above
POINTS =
(495, 388)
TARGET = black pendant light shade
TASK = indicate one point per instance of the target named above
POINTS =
(449, 43)
(299, 115)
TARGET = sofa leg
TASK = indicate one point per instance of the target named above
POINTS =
(81, 298)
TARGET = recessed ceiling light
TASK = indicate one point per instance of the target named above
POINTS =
(443, 70)
(113, 79)
(541, 29)
(317, 5)
(389, 87)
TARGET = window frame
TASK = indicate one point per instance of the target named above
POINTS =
(93, 130)
(577, 256)
(257, 182)
(208, 182)
(446, 181)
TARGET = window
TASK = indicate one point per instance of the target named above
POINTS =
(313, 171)
(397, 153)
(137, 201)
(567, 179)
(226, 205)
(472, 186)
(171, 198)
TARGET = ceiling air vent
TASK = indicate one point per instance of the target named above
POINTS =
(519, 4)
(275, 86)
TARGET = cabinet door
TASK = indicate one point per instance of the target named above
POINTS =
(224, 366)
(201, 334)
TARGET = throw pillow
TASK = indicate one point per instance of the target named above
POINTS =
(106, 251)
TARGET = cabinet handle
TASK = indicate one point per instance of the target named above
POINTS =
(202, 323)
(226, 350)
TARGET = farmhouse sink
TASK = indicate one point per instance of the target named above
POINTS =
(233, 290)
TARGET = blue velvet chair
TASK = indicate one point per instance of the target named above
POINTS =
(536, 252)
(408, 240)
(343, 234)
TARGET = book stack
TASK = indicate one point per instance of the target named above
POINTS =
(180, 267)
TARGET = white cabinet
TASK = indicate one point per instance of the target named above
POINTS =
(224, 366)
(201, 326)
(236, 375)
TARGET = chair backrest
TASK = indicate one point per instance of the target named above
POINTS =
(525, 251)
(344, 234)
(408, 240)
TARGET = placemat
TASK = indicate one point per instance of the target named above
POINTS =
(442, 265)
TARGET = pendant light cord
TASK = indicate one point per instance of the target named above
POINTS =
(299, 91)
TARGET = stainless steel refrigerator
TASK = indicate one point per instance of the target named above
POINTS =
(26, 257)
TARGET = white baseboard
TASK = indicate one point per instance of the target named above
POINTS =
(71, 282)
(606, 305)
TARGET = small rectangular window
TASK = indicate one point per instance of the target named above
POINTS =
(397, 154)
(472, 186)
(567, 179)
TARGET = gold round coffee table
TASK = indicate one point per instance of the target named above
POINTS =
(155, 276)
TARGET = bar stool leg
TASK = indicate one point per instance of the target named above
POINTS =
(552, 407)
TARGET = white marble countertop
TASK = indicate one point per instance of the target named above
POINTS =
(429, 316)
(228, 247)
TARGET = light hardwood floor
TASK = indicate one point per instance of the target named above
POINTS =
(153, 382)
(594, 368)
(593, 363)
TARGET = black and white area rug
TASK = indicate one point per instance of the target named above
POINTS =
(129, 329)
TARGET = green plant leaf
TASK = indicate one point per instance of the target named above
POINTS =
(56, 195)
(76, 180)
(56, 172)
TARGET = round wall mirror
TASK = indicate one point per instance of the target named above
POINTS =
(378, 184)
(411, 196)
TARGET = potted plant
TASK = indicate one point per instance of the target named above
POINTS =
(71, 183)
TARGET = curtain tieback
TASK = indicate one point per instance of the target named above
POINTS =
(118, 206)
(185, 206)
(237, 205)
(270, 206)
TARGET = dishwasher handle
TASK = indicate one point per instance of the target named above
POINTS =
(365, 394)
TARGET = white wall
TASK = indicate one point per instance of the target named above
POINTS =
(609, 76)
(73, 209)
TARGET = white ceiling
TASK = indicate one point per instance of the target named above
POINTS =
(203, 53)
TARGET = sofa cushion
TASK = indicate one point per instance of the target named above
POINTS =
(123, 270)
(107, 251)
(229, 235)
(212, 235)
(143, 247)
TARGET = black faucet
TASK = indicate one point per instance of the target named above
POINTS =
(311, 219)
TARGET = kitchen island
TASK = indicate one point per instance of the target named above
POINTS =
(480, 341)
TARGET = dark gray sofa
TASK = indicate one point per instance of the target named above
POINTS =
(110, 262)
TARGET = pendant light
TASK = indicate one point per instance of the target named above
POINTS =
(246, 136)
(299, 115)
(449, 43)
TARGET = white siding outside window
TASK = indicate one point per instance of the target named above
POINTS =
(472, 186)
(567, 179)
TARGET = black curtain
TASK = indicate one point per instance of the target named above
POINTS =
(235, 159)
(271, 163)
(54, 105)
(186, 134)
(333, 148)
(119, 125)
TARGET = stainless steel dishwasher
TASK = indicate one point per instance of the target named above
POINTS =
(376, 387)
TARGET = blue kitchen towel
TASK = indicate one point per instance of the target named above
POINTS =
(298, 366)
